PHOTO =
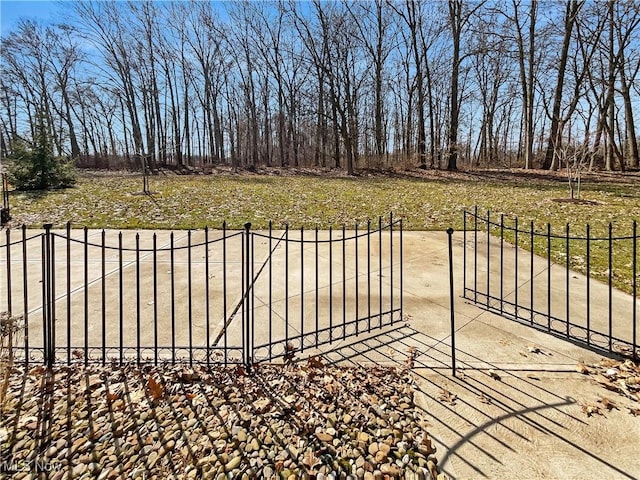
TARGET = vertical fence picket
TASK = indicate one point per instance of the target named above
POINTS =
(246, 326)
(464, 255)
(391, 266)
(252, 277)
(488, 223)
(172, 270)
(207, 307)
(270, 320)
(516, 264)
(138, 300)
(380, 272)
(567, 283)
(286, 286)
(344, 282)
(357, 309)
(47, 298)
(330, 284)
(103, 295)
(475, 255)
(86, 296)
(531, 270)
(120, 298)
(401, 274)
(43, 283)
(68, 293)
(610, 284)
(189, 298)
(451, 302)
(155, 299)
(317, 289)
(301, 289)
(25, 293)
(368, 276)
(548, 277)
(501, 263)
(634, 315)
(588, 284)
(224, 290)
(8, 257)
(52, 289)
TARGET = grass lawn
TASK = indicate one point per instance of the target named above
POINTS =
(426, 201)
(431, 200)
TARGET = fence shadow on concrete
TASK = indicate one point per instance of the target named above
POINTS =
(497, 421)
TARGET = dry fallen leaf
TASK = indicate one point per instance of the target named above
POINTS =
(262, 405)
(582, 368)
(447, 397)
(608, 403)
(156, 389)
(290, 353)
(607, 362)
(410, 361)
(188, 375)
(606, 383)
(37, 371)
(591, 409)
(484, 399)
(315, 362)
(111, 397)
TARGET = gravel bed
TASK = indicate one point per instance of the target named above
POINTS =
(303, 420)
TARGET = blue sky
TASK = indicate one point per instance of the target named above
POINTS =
(12, 10)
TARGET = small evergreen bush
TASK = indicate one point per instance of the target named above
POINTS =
(33, 165)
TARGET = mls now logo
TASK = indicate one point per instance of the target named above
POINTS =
(33, 466)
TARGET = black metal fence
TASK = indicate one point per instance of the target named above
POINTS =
(583, 288)
(205, 296)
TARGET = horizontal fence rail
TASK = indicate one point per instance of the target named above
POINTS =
(204, 296)
(582, 288)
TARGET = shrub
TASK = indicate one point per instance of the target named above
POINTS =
(33, 165)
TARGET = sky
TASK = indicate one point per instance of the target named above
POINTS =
(12, 10)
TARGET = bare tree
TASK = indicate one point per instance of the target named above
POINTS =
(459, 18)
(572, 9)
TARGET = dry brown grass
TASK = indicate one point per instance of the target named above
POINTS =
(10, 329)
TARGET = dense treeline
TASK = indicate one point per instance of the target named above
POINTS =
(350, 84)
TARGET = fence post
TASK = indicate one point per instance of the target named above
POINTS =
(49, 347)
(246, 341)
(5, 212)
(453, 320)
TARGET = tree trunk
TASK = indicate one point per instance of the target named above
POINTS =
(455, 17)
(571, 12)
